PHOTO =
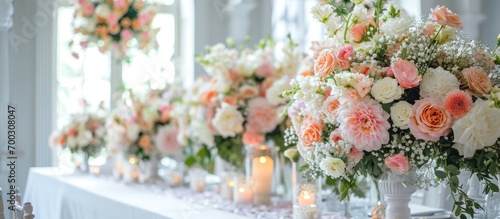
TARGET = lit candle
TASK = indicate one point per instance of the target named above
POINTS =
(262, 171)
(227, 189)
(306, 198)
(131, 170)
(198, 186)
(243, 194)
(95, 170)
(176, 179)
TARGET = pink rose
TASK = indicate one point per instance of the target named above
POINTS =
(362, 69)
(251, 138)
(264, 70)
(429, 120)
(330, 108)
(429, 29)
(166, 140)
(389, 72)
(357, 32)
(325, 63)
(406, 73)
(335, 136)
(344, 55)
(262, 117)
(477, 80)
(398, 163)
(355, 155)
(126, 34)
(443, 16)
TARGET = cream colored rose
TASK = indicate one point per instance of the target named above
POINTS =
(386, 90)
(228, 121)
(447, 34)
(400, 114)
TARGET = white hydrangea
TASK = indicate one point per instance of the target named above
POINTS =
(397, 26)
(438, 82)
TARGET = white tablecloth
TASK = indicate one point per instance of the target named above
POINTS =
(61, 196)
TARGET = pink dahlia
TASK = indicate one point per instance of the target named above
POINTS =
(458, 103)
(364, 124)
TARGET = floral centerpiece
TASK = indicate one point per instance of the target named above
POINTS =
(240, 104)
(143, 126)
(390, 93)
(85, 133)
(117, 25)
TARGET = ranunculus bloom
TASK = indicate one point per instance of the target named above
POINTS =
(479, 128)
(262, 117)
(458, 103)
(310, 132)
(357, 32)
(397, 163)
(477, 80)
(362, 69)
(325, 63)
(406, 73)
(444, 16)
(166, 140)
(335, 136)
(429, 120)
(364, 124)
(251, 138)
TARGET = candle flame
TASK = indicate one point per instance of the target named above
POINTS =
(231, 183)
(306, 195)
(262, 159)
(241, 189)
(132, 160)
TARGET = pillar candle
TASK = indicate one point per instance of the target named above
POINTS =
(243, 194)
(262, 171)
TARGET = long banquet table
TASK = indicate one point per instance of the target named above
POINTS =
(75, 196)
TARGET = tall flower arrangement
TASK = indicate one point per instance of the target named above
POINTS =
(240, 103)
(114, 24)
(391, 93)
(84, 133)
(143, 126)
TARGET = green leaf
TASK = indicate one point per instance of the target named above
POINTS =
(451, 168)
(454, 180)
(440, 174)
(330, 181)
(303, 167)
(494, 187)
(190, 161)
(458, 211)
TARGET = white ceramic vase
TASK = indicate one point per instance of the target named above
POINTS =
(397, 190)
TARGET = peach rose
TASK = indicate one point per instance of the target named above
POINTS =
(362, 69)
(209, 96)
(406, 73)
(247, 91)
(428, 29)
(357, 32)
(310, 132)
(477, 80)
(264, 70)
(251, 138)
(429, 120)
(398, 163)
(325, 63)
(443, 16)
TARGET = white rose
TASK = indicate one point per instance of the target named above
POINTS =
(333, 167)
(274, 92)
(438, 82)
(102, 11)
(400, 114)
(202, 133)
(322, 13)
(386, 90)
(228, 121)
(479, 128)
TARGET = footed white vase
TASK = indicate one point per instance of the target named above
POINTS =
(397, 190)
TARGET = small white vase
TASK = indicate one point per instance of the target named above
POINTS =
(148, 170)
(397, 190)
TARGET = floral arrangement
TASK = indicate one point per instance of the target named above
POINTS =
(84, 133)
(144, 126)
(117, 24)
(240, 104)
(392, 93)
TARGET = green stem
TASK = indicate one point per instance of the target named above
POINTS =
(437, 33)
(347, 27)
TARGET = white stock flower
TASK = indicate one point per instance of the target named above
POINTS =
(438, 82)
(386, 90)
(400, 114)
(479, 128)
(201, 132)
(360, 13)
(322, 13)
(274, 92)
(333, 167)
(228, 121)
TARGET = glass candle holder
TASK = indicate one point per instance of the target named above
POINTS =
(306, 194)
(259, 168)
(242, 190)
(227, 185)
(197, 179)
(131, 169)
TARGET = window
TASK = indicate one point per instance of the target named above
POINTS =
(91, 80)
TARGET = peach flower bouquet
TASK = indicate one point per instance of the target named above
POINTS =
(392, 93)
(114, 24)
(240, 103)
